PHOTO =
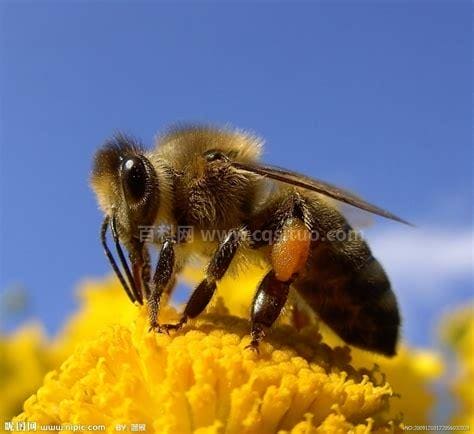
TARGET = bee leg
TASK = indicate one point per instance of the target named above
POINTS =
(267, 304)
(163, 276)
(289, 254)
(141, 268)
(219, 264)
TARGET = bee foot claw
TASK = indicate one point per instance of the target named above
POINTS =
(167, 327)
(158, 328)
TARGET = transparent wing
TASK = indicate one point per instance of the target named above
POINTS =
(357, 218)
(322, 187)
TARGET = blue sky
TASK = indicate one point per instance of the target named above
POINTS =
(373, 96)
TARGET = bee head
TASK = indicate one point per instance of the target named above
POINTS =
(127, 189)
(126, 185)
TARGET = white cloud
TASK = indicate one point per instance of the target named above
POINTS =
(425, 259)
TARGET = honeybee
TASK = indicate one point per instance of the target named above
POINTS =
(208, 180)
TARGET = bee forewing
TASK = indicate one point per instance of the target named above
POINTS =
(319, 186)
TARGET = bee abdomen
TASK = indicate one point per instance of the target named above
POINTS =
(357, 302)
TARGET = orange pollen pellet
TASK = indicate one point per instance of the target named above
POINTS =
(290, 251)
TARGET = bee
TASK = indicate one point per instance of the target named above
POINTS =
(209, 180)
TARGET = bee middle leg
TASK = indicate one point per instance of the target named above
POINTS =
(216, 269)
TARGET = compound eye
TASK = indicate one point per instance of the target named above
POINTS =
(134, 178)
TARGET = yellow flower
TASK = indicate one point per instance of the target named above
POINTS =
(203, 380)
(28, 354)
(458, 332)
(24, 360)
(100, 303)
(410, 373)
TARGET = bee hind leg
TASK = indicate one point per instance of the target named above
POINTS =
(267, 304)
(289, 254)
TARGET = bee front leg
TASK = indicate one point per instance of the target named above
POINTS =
(219, 264)
(162, 278)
